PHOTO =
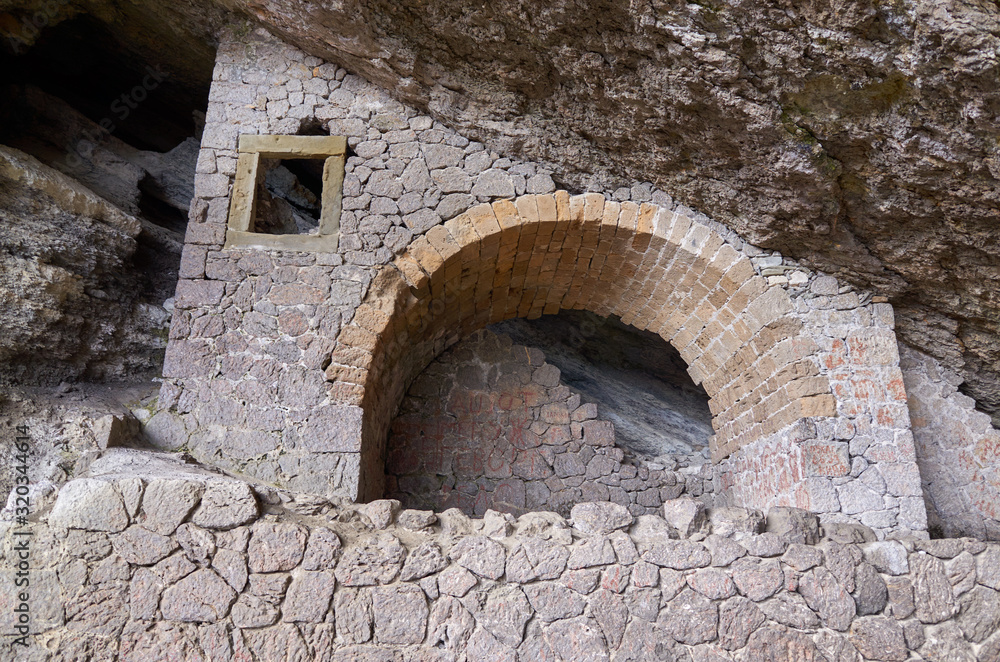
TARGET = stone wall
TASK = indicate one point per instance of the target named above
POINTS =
(155, 560)
(806, 394)
(958, 451)
(489, 425)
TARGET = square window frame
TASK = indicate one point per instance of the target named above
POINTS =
(243, 199)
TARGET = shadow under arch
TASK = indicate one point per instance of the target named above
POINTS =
(656, 269)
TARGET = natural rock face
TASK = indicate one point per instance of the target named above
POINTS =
(871, 152)
(67, 281)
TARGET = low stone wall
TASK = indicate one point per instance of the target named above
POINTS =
(158, 560)
(489, 425)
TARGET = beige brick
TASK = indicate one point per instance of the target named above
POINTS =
(507, 214)
(527, 209)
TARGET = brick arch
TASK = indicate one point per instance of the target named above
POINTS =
(538, 254)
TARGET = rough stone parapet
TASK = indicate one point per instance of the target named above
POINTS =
(319, 580)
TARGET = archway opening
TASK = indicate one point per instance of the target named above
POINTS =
(543, 414)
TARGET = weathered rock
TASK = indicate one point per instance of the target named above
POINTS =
(276, 546)
(422, 561)
(451, 625)
(552, 601)
(794, 525)
(253, 611)
(870, 593)
(980, 613)
(378, 561)
(456, 581)
(505, 614)
(765, 544)
(757, 579)
(712, 583)
(729, 522)
(225, 505)
(611, 614)
(139, 546)
(231, 566)
(961, 572)
(167, 502)
(198, 544)
(202, 596)
(802, 557)
(772, 644)
(825, 596)
(322, 550)
(738, 619)
(888, 556)
(591, 552)
(690, 618)
(676, 554)
(988, 567)
(381, 512)
(90, 504)
(688, 516)
(790, 609)
(481, 555)
(724, 550)
(879, 638)
(400, 614)
(308, 597)
(416, 520)
(932, 592)
(353, 610)
(600, 518)
(577, 639)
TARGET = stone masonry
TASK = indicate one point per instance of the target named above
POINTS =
(958, 451)
(489, 425)
(290, 366)
(137, 562)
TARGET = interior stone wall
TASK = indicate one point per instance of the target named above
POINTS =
(149, 560)
(958, 451)
(490, 425)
